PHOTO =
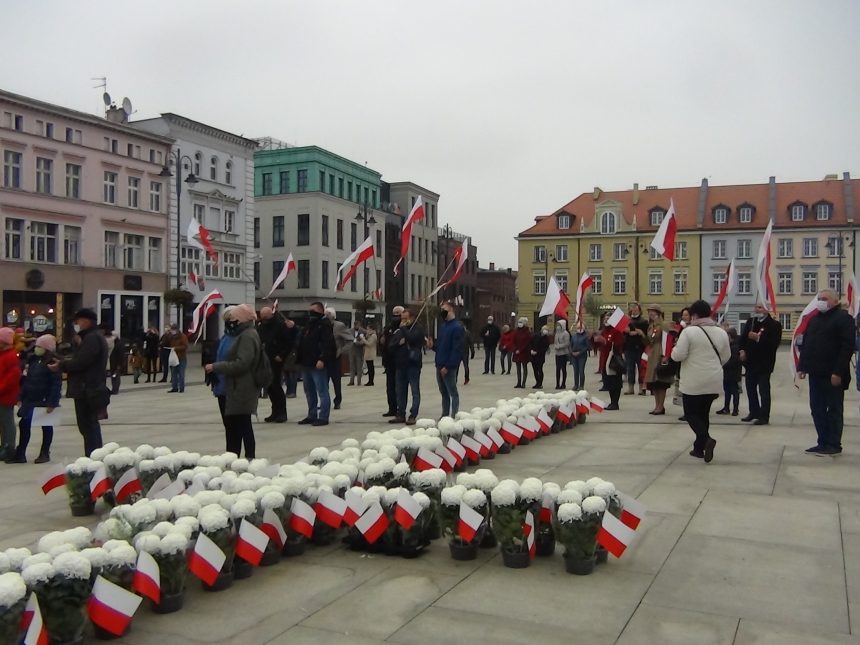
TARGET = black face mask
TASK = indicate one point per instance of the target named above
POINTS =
(443, 314)
(231, 327)
(315, 315)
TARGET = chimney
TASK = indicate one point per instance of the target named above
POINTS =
(596, 193)
(635, 194)
(703, 201)
(771, 198)
(492, 266)
(116, 115)
(849, 196)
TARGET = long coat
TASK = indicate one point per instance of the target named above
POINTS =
(240, 391)
(654, 344)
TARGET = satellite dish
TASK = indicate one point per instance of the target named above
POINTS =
(106, 99)
(126, 105)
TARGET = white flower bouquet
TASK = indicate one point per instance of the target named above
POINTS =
(78, 477)
(62, 588)
(13, 598)
(215, 522)
(509, 515)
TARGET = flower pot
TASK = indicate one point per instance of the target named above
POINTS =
(10, 621)
(579, 566)
(434, 532)
(580, 418)
(270, 557)
(75, 641)
(242, 569)
(105, 635)
(460, 551)
(505, 449)
(168, 603)
(516, 559)
(80, 510)
(411, 551)
(474, 462)
(490, 455)
(524, 441)
(294, 546)
(545, 544)
(601, 555)
(222, 582)
(489, 540)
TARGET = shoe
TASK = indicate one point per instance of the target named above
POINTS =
(760, 422)
(612, 406)
(603, 389)
(307, 421)
(629, 390)
(682, 418)
(723, 411)
(291, 396)
(281, 418)
(397, 420)
(484, 372)
(698, 454)
(164, 380)
(466, 382)
(42, 459)
(748, 418)
(823, 452)
(350, 383)
(337, 406)
(368, 385)
(814, 449)
(172, 391)
(709, 450)
(410, 421)
(269, 419)
(642, 393)
(319, 422)
(657, 412)
(389, 414)
(734, 413)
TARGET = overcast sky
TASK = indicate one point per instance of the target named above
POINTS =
(506, 109)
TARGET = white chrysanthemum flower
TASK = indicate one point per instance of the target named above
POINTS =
(569, 512)
(173, 542)
(145, 451)
(207, 497)
(474, 498)
(12, 589)
(594, 481)
(192, 523)
(164, 462)
(349, 443)
(604, 489)
(185, 476)
(72, 565)
(213, 517)
(390, 450)
(147, 541)
(227, 501)
(243, 508)
(97, 556)
(162, 528)
(4, 562)
(503, 496)
(122, 556)
(551, 491)
(121, 458)
(331, 469)
(38, 558)
(342, 482)
(374, 470)
(113, 527)
(38, 573)
(580, 486)
(49, 541)
(593, 505)
(216, 483)
(466, 479)
(229, 475)
(185, 530)
(569, 496)
(453, 495)
(80, 536)
(141, 513)
(390, 497)
(318, 454)
(184, 505)
(272, 500)
(422, 499)
(531, 489)
(162, 508)
(16, 557)
(61, 548)
(485, 479)
(371, 498)
(146, 465)
(162, 451)
(240, 465)
(99, 454)
(401, 469)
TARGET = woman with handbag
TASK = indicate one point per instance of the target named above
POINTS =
(659, 374)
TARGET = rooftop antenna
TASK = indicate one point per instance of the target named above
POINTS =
(102, 83)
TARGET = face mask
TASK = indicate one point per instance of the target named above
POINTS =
(544, 332)
(763, 316)
(443, 314)
(489, 321)
(520, 325)
(77, 328)
(822, 305)
(315, 315)
(231, 327)
(39, 351)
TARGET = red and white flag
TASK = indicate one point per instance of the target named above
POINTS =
(619, 320)
(449, 459)
(158, 485)
(251, 543)
(170, 491)
(302, 517)
(99, 484)
(111, 607)
(544, 421)
(585, 282)
(531, 427)
(373, 523)
(426, 459)
(632, 511)
(147, 577)
(457, 449)
(726, 288)
(415, 216)
(461, 255)
(350, 266)
(330, 509)
(565, 413)
(763, 281)
(470, 522)
(614, 536)
(274, 528)
(529, 532)
(206, 560)
(547, 502)
(556, 301)
(192, 277)
(808, 313)
(196, 229)
(288, 268)
(496, 438)
(511, 433)
(851, 294)
(53, 478)
(664, 239)
(582, 407)
(202, 310)
(406, 510)
(473, 448)
(32, 625)
(127, 485)
(355, 507)
(667, 342)
(486, 442)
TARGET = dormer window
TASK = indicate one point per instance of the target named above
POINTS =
(656, 216)
(607, 223)
(721, 215)
(564, 221)
(823, 211)
(745, 213)
(197, 159)
(798, 211)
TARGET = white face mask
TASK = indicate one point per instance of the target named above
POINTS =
(761, 316)
(822, 305)
(544, 332)
(519, 325)
(77, 328)
(490, 321)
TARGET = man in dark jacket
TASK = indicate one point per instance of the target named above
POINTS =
(490, 334)
(758, 343)
(86, 383)
(634, 345)
(387, 351)
(449, 347)
(408, 343)
(273, 334)
(316, 353)
(825, 357)
(150, 354)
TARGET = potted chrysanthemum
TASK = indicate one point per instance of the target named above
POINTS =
(606, 491)
(508, 519)
(116, 565)
(169, 554)
(62, 588)
(484, 480)
(243, 510)
(430, 482)
(474, 499)
(545, 539)
(576, 527)
(78, 477)
(415, 539)
(215, 523)
(13, 598)
(274, 501)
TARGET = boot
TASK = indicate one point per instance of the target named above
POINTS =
(16, 457)
(43, 458)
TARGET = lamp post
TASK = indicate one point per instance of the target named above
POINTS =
(368, 220)
(643, 249)
(191, 179)
(836, 246)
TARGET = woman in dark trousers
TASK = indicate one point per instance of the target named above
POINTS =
(521, 350)
(468, 352)
(150, 354)
(538, 350)
(732, 375)
(612, 343)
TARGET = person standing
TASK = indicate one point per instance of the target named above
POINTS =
(150, 354)
(387, 349)
(369, 342)
(135, 362)
(561, 348)
(164, 355)
(177, 342)
(316, 353)
(291, 367)
(468, 352)
(657, 382)
(449, 354)
(702, 350)
(273, 336)
(612, 343)
(356, 354)
(343, 342)
(10, 387)
(115, 356)
(522, 341)
(732, 375)
(237, 364)
(579, 349)
(634, 345)
(537, 351)
(490, 335)
(506, 349)
(825, 360)
(409, 342)
(759, 341)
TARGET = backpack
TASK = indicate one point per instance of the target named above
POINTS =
(263, 370)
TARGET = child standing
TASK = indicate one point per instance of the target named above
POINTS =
(135, 362)
(732, 375)
(10, 386)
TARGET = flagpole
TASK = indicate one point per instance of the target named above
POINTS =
(431, 294)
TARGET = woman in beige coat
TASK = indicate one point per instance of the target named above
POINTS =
(370, 341)
(654, 344)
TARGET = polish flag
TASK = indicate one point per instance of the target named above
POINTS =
(457, 449)
(406, 510)
(585, 282)
(99, 484)
(449, 459)
(206, 560)
(373, 523)
(289, 267)
(632, 511)
(192, 278)
(273, 527)
(202, 310)
(614, 536)
(251, 542)
(531, 427)
(496, 438)
(128, 484)
(582, 407)
(425, 460)
(565, 413)
(726, 288)
(461, 255)
(851, 294)
(158, 485)
(196, 229)
(597, 405)
(529, 532)
(764, 284)
(664, 239)
(511, 433)
(32, 624)
(415, 216)
(302, 518)
(486, 442)
(810, 311)
(545, 516)
(170, 491)
(111, 607)
(667, 342)
(330, 509)
(619, 320)
(147, 577)
(544, 421)
(470, 522)
(355, 507)
(53, 478)
(473, 448)
(556, 301)
(350, 266)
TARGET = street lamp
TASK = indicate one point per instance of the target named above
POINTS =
(627, 250)
(836, 246)
(191, 179)
(368, 220)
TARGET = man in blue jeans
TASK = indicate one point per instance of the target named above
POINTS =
(449, 347)
(316, 353)
(408, 343)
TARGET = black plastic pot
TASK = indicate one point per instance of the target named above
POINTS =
(242, 569)
(579, 566)
(462, 552)
(222, 582)
(490, 455)
(270, 558)
(105, 635)
(169, 603)
(516, 559)
(601, 555)
(81, 510)
(489, 540)
(524, 441)
(434, 532)
(544, 544)
(505, 448)
(294, 546)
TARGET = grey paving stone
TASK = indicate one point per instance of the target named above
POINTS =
(652, 625)
(751, 632)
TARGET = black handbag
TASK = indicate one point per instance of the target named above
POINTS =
(98, 398)
(666, 371)
(616, 363)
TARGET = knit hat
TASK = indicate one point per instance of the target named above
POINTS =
(89, 314)
(243, 313)
(47, 341)
(7, 336)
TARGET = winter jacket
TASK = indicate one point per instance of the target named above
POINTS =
(732, 368)
(150, 345)
(273, 335)
(506, 342)
(636, 343)
(41, 387)
(178, 342)
(761, 354)
(370, 341)
(410, 353)
(240, 391)
(449, 344)
(490, 334)
(219, 386)
(828, 345)
(342, 337)
(540, 346)
(654, 343)
(86, 366)
(317, 344)
(386, 347)
(561, 342)
(579, 343)
(10, 377)
(522, 344)
(701, 367)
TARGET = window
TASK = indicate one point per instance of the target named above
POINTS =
(267, 183)
(257, 275)
(379, 243)
(810, 247)
(595, 252)
(353, 283)
(324, 273)
(200, 213)
(197, 159)
(339, 234)
(132, 252)
(321, 187)
(213, 168)
(190, 261)
(11, 169)
(785, 248)
(73, 181)
(353, 237)
(365, 194)
(340, 187)
(70, 134)
(834, 247)
(745, 214)
(324, 236)
(256, 232)
(784, 282)
(655, 282)
(232, 264)
(619, 282)
(561, 252)
(653, 254)
(785, 320)
(133, 192)
(607, 223)
(539, 278)
(303, 229)
(284, 182)
(721, 215)
(810, 282)
(540, 254)
(681, 250)
(110, 187)
(822, 211)
(657, 217)
(798, 212)
(277, 267)
(49, 130)
(43, 242)
(719, 249)
(717, 280)
(303, 270)
(229, 221)
(680, 280)
(228, 173)
(14, 238)
(111, 248)
(349, 190)
(744, 249)
(564, 221)
(619, 251)
(214, 222)
(71, 245)
(744, 283)
(373, 198)
(210, 266)
(561, 279)
(331, 184)
(154, 255)
(834, 281)
(597, 284)
(44, 171)
(155, 196)
(302, 178)
(278, 231)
